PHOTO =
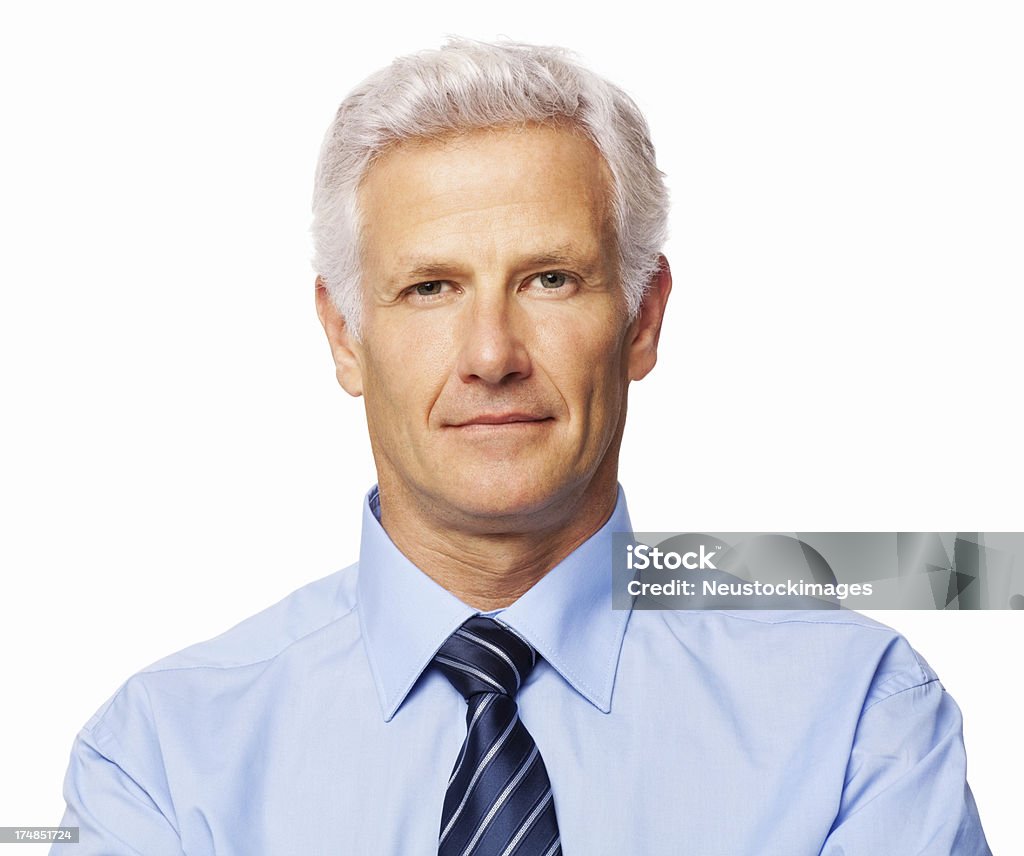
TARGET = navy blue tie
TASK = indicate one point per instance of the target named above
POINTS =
(499, 800)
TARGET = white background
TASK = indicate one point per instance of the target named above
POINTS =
(842, 350)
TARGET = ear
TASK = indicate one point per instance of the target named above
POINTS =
(643, 349)
(344, 346)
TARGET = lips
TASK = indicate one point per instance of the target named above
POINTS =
(510, 418)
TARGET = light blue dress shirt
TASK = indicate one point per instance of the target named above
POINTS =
(315, 727)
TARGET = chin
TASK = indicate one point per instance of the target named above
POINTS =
(506, 497)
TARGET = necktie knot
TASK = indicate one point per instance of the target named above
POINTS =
(485, 656)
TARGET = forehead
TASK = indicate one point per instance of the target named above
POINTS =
(528, 189)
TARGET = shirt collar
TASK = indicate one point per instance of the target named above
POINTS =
(567, 615)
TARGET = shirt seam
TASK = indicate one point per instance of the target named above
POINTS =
(278, 653)
(894, 634)
(904, 690)
(102, 737)
(882, 629)
(98, 719)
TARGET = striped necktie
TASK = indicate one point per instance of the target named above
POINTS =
(498, 801)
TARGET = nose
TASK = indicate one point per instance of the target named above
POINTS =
(491, 348)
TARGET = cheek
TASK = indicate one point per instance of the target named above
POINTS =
(402, 381)
(586, 363)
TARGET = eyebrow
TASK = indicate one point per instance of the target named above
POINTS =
(429, 270)
(567, 256)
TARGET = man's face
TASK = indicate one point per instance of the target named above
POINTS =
(495, 351)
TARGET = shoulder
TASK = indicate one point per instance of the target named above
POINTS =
(323, 606)
(270, 631)
(826, 646)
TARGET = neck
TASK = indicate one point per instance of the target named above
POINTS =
(489, 566)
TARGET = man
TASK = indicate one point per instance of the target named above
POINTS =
(488, 225)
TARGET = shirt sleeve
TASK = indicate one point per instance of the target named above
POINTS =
(116, 815)
(906, 788)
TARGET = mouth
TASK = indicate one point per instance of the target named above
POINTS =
(486, 421)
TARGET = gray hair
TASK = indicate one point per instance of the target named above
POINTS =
(468, 85)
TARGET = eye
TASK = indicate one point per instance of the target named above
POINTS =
(553, 284)
(429, 289)
(428, 292)
(552, 279)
